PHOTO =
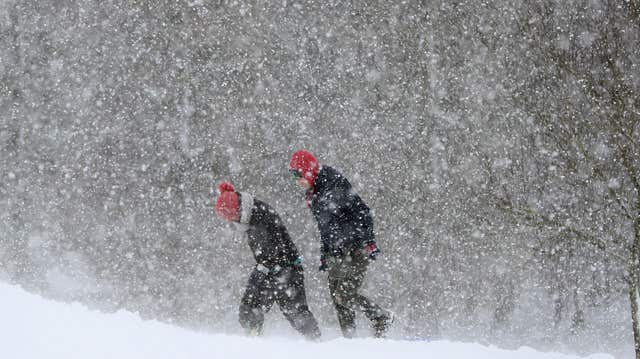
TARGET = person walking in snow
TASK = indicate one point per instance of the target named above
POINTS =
(347, 240)
(277, 276)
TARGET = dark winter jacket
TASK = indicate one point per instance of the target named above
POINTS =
(344, 220)
(266, 234)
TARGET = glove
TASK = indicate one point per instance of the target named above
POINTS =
(297, 262)
(371, 250)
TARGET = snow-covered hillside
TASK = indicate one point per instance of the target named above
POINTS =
(32, 327)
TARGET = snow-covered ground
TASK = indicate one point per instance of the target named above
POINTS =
(32, 327)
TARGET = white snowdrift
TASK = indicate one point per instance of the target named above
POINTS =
(32, 327)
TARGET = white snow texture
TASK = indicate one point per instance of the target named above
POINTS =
(33, 327)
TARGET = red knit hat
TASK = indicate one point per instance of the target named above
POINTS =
(305, 163)
(228, 204)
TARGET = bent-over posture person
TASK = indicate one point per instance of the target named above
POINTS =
(277, 276)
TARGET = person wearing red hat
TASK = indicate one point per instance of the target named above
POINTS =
(347, 240)
(278, 275)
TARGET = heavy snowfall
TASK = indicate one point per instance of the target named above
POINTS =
(497, 144)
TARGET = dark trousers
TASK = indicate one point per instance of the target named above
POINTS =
(287, 289)
(346, 274)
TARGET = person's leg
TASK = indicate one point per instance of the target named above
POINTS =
(344, 281)
(380, 319)
(256, 301)
(292, 300)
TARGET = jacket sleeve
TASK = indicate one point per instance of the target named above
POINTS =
(329, 223)
(366, 225)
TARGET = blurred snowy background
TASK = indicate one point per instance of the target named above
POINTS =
(498, 144)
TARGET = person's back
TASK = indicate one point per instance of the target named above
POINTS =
(268, 238)
(344, 220)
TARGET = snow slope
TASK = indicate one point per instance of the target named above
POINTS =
(32, 327)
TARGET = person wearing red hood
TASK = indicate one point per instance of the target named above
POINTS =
(277, 276)
(347, 240)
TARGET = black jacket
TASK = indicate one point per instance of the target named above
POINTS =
(344, 220)
(267, 236)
